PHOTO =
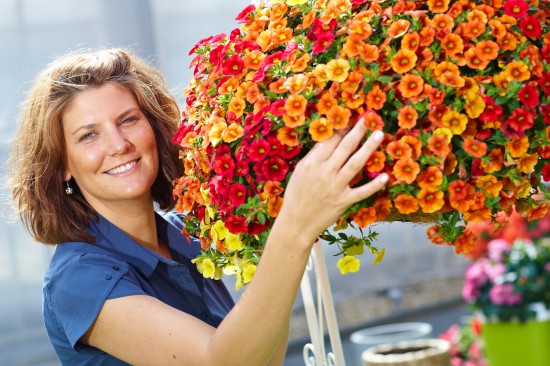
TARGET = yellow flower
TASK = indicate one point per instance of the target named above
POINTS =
(337, 70)
(216, 133)
(233, 242)
(444, 131)
(296, 2)
(248, 272)
(208, 268)
(218, 231)
(348, 264)
(475, 105)
(230, 270)
(379, 256)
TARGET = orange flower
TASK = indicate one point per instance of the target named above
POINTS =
(435, 95)
(185, 202)
(326, 103)
(359, 29)
(296, 83)
(407, 117)
(475, 105)
(382, 207)
(508, 43)
(501, 80)
(237, 105)
(281, 36)
(405, 204)
(300, 64)
(449, 74)
(442, 22)
(527, 163)
(438, 6)
(252, 93)
(228, 87)
(274, 205)
(287, 136)
(454, 121)
(473, 29)
(273, 189)
(487, 50)
(403, 61)
(430, 178)
(411, 85)
(264, 40)
(399, 150)
(294, 121)
(352, 100)
(398, 28)
(435, 237)
(439, 145)
(410, 41)
(373, 121)
(475, 148)
(427, 35)
(494, 163)
(537, 212)
(296, 105)
(365, 216)
(479, 215)
(465, 243)
(406, 170)
(430, 200)
(278, 86)
(518, 70)
(452, 44)
(352, 82)
(339, 116)
(376, 162)
(489, 184)
(253, 59)
(517, 146)
(414, 143)
(474, 61)
(376, 98)
(233, 132)
(454, 80)
(320, 129)
(337, 70)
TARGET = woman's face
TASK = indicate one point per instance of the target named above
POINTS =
(111, 148)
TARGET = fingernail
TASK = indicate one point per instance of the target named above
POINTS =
(377, 135)
(384, 178)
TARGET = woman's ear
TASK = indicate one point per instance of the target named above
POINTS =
(67, 176)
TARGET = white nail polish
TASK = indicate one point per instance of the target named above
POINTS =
(384, 178)
(377, 135)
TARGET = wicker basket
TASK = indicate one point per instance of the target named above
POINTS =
(419, 352)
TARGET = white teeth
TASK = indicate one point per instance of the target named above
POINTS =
(122, 168)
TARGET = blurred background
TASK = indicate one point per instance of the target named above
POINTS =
(415, 277)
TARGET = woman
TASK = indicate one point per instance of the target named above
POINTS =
(93, 156)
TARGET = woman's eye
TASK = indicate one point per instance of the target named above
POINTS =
(128, 120)
(87, 136)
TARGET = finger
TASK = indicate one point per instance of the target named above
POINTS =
(366, 190)
(349, 144)
(358, 160)
(324, 149)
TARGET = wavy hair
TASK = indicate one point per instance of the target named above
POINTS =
(38, 158)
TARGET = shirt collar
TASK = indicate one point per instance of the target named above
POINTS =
(110, 237)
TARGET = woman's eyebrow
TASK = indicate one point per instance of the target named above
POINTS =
(93, 125)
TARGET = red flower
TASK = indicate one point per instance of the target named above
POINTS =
(530, 26)
(492, 111)
(236, 224)
(232, 65)
(545, 111)
(520, 120)
(544, 81)
(258, 150)
(545, 52)
(516, 8)
(288, 152)
(275, 169)
(529, 96)
(546, 173)
(319, 28)
(323, 42)
(244, 15)
(208, 40)
(237, 194)
(246, 46)
(224, 165)
(255, 227)
(274, 145)
(241, 168)
(277, 108)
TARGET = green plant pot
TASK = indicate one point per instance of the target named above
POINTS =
(515, 344)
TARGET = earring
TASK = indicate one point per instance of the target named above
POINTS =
(69, 189)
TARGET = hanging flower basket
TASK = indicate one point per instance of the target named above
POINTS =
(460, 89)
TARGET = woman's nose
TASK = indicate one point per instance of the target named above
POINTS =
(118, 142)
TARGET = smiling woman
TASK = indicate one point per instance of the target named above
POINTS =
(93, 155)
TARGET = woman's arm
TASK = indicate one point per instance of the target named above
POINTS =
(143, 330)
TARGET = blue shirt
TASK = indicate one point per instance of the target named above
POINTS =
(81, 276)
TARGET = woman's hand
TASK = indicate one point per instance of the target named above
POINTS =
(319, 192)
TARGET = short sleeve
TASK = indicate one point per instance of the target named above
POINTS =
(78, 289)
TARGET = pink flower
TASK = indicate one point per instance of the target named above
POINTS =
(547, 267)
(475, 352)
(470, 292)
(504, 295)
(497, 248)
(244, 15)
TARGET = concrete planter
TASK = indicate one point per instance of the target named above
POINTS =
(419, 352)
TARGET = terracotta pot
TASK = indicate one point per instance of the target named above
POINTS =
(419, 352)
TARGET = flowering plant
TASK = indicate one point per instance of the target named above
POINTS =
(461, 89)
(466, 344)
(511, 281)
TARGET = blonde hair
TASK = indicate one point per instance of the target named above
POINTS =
(37, 160)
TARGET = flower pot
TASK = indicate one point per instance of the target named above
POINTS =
(419, 352)
(514, 343)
